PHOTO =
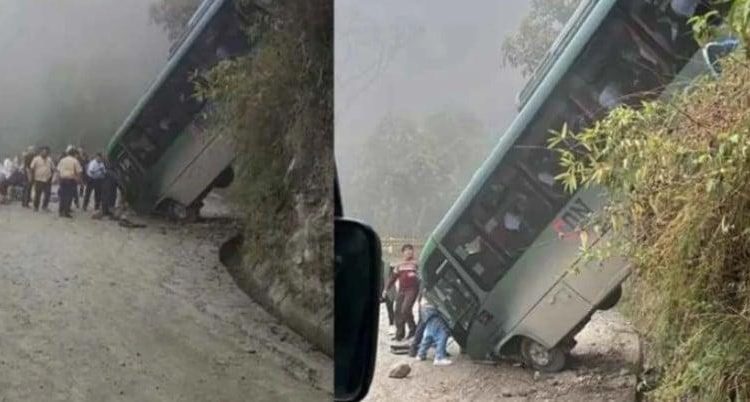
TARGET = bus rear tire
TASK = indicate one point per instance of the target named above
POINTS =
(225, 178)
(180, 213)
(612, 299)
(542, 359)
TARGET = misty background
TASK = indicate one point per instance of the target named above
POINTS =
(421, 98)
(71, 70)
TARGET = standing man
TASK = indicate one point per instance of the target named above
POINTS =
(70, 172)
(109, 190)
(83, 159)
(95, 173)
(28, 156)
(390, 294)
(408, 289)
(42, 169)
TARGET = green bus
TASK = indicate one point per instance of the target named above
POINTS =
(166, 155)
(499, 264)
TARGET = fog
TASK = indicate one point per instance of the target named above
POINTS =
(414, 60)
(72, 69)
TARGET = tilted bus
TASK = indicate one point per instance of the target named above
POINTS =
(167, 155)
(499, 266)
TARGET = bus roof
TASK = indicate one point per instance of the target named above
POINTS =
(588, 19)
(555, 50)
(199, 26)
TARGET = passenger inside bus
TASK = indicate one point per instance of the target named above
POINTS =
(486, 265)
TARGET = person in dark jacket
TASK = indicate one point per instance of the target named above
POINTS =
(28, 156)
(389, 296)
(109, 191)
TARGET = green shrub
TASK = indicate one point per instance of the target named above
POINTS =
(678, 175)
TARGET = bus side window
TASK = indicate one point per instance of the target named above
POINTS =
(541, 167)
(485, 264)
(513, 226)
(456, 296)
(536, 160)
(141, 146)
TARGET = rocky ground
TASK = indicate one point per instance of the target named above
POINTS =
(602, 369)
(92, 311)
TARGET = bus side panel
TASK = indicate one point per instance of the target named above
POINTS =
(516, 294)
(198, 175)
(180, 154)
(594, 280)
(561, 309)
(532, 276)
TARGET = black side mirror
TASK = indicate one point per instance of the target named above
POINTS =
(358, 266)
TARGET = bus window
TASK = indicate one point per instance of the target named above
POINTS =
(141, 146)
(511, 219)
(540, 164)
(461, 304)
(666, 24)
(619, 66)
(479, 259)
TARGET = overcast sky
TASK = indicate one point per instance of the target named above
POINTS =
(39, 36)
(418, 57)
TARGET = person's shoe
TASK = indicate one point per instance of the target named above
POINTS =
(420, 358)
(442, 362)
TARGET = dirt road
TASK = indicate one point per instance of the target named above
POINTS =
(600, 371)
(91, 311)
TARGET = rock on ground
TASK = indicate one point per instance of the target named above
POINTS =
(399, 370)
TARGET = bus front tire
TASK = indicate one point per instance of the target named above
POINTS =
(611, 300)
(542, 359)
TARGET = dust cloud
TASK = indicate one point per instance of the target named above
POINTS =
(72, 69)
(418, 67)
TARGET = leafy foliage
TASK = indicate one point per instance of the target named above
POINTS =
(678, 174)
(278, 103)
(525, 49)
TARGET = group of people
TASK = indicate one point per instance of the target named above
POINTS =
(29, 178)
(401, 290)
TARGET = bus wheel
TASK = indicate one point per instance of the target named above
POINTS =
(541, 358)
(611, 300)
(176, 211)
(225, 179)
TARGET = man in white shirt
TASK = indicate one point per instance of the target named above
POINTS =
(70, 172)
(96, 171)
